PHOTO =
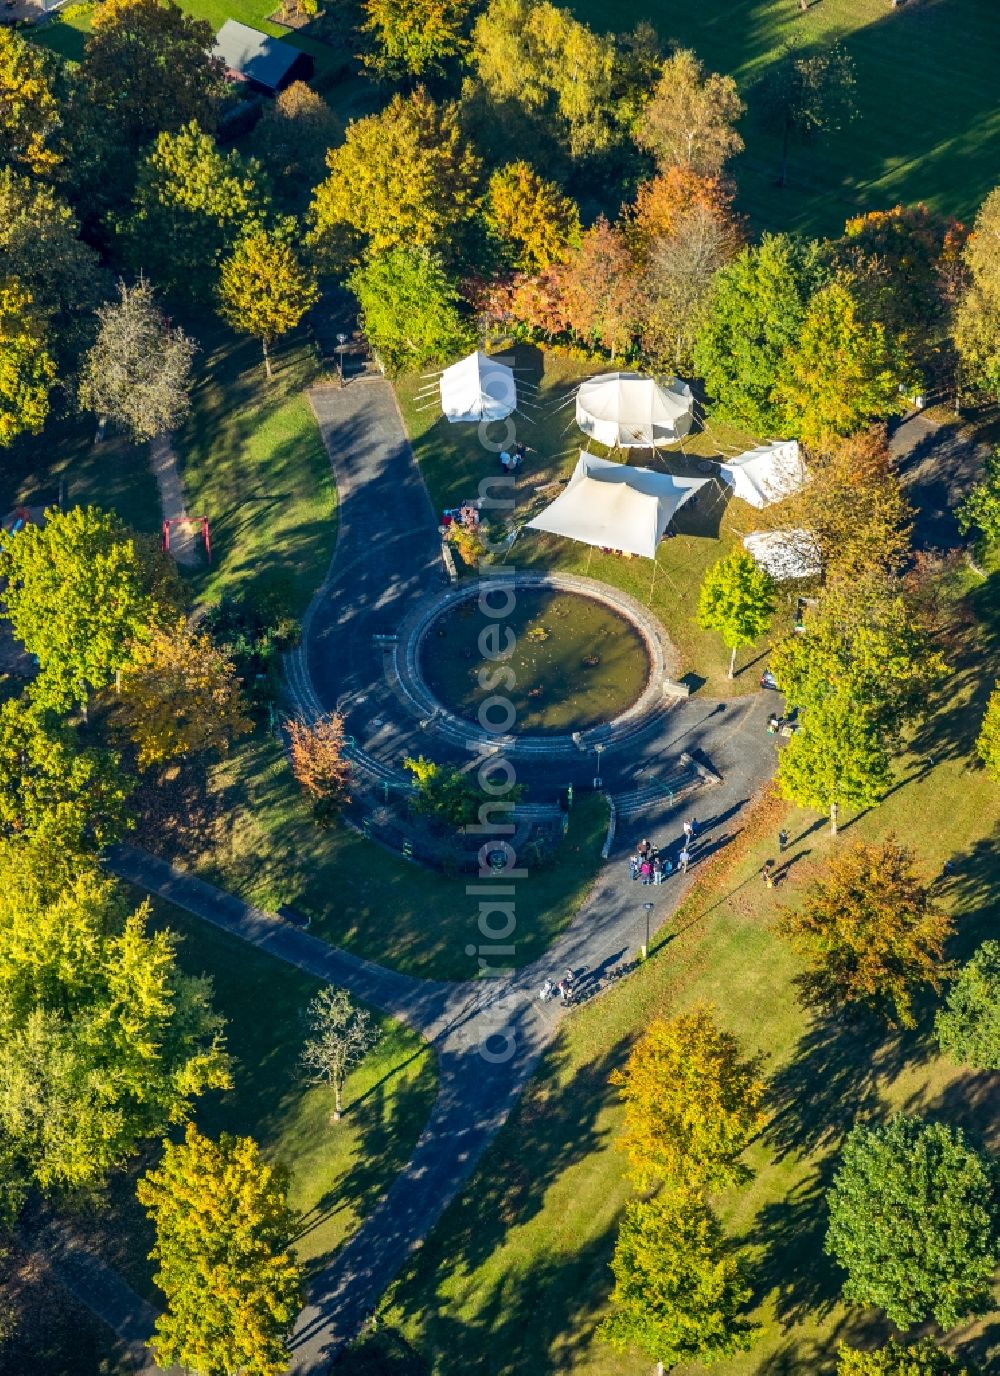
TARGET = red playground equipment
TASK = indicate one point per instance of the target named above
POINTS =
(189, 521)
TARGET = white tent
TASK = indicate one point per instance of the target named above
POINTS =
(785, 554)
(627, 410)
(478, 388)
(766, 474)
(615, 507)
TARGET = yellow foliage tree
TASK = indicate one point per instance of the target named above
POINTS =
(692, 1103)
(525, 210)
(29, 114)
(264, 289)
(179, 696)
(27, 372)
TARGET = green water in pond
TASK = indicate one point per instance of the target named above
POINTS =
(575, 661)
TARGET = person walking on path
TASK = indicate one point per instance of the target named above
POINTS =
(782, 841)
(767, 873)
(683, 860)
(690, 831)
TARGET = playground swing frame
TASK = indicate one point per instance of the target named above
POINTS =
(188, 521)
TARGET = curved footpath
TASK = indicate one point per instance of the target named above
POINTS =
(387, 553)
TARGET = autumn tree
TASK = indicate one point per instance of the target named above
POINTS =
(77, 595)
(841, 373)
(292, 138)
(445, 793)
(319, 761)
(27, 370)
(922, 1358)
(410, 309)
(988, 740)
(103, 1041)
(405, 177)
(870, 932)
(980, 509)
(692, 1103)
(663, 201)
(968, 1026)
(137, 373)
(264, 289)
(598, 292)
(915, 1222)
(30, 120)
(852, 509)
(413, 37)
(977, 316)
(537, 56)
(677, 278)
(689, 120)
(861, 670)
(223, 1226)
(192, 204)
(806, 95)
(679, 1294)
(341, 1034)
(44, 775)
(179, 696)
(531, 216)
(737, 600)
(754, 312)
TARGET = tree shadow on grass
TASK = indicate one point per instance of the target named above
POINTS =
(804, 1283)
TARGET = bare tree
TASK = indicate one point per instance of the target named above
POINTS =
(340, 1036)
(138, 371)
(679, 271)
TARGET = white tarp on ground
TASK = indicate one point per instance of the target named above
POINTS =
(627, 410)
(478, 388)
(784, 554)
(765, 474)
(616, 507)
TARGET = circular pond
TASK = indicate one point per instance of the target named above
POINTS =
(575, 661)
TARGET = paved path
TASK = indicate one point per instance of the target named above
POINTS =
(163, 461)
(937, 464)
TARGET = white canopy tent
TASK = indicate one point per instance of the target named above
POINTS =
(765, 474)
(615, 507)
(478, 388)
(627, 410)
(785, 554)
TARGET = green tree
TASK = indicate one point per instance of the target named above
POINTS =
(444, 792)
(553, 67)
(870, 932)
(404, 177)
(77, 595)
(689, 119)
(692, 1103)
(804, 96)
(292, 138)
(737, 600)
(30, 120)
(532, 216)
(977, 317)
(341, 1034)
(410, 309)
(223, 1225)
(840, 373)
(679, 1293)
(414, 37)
(922, 1358)
(137, 373)
(914, 1222)
(988, 740)
(981, 508)
(754, 312)
(837, 758)
(27, 370)
(192, 204)
(45, 775)
(264, 289)
(968, 1027)
(103, 1042)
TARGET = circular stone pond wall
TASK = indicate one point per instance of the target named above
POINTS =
(574, 662)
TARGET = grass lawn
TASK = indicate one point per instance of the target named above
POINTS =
(252, 461)
(254, 834)
(454, 462)
(928, 126)
(338, 1170)
(515, 1278)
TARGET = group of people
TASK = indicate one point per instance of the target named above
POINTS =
(650, 866)
(510, 461)
(557, 990)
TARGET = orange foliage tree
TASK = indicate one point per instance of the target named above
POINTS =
(319, 761)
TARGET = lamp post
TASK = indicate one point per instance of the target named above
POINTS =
(598, 749)
(648, 907)
(341, 341)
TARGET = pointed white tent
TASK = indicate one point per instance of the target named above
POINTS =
(765, 474)
(627, 410)
(784, 554)
(478, 388)
(615, 507)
